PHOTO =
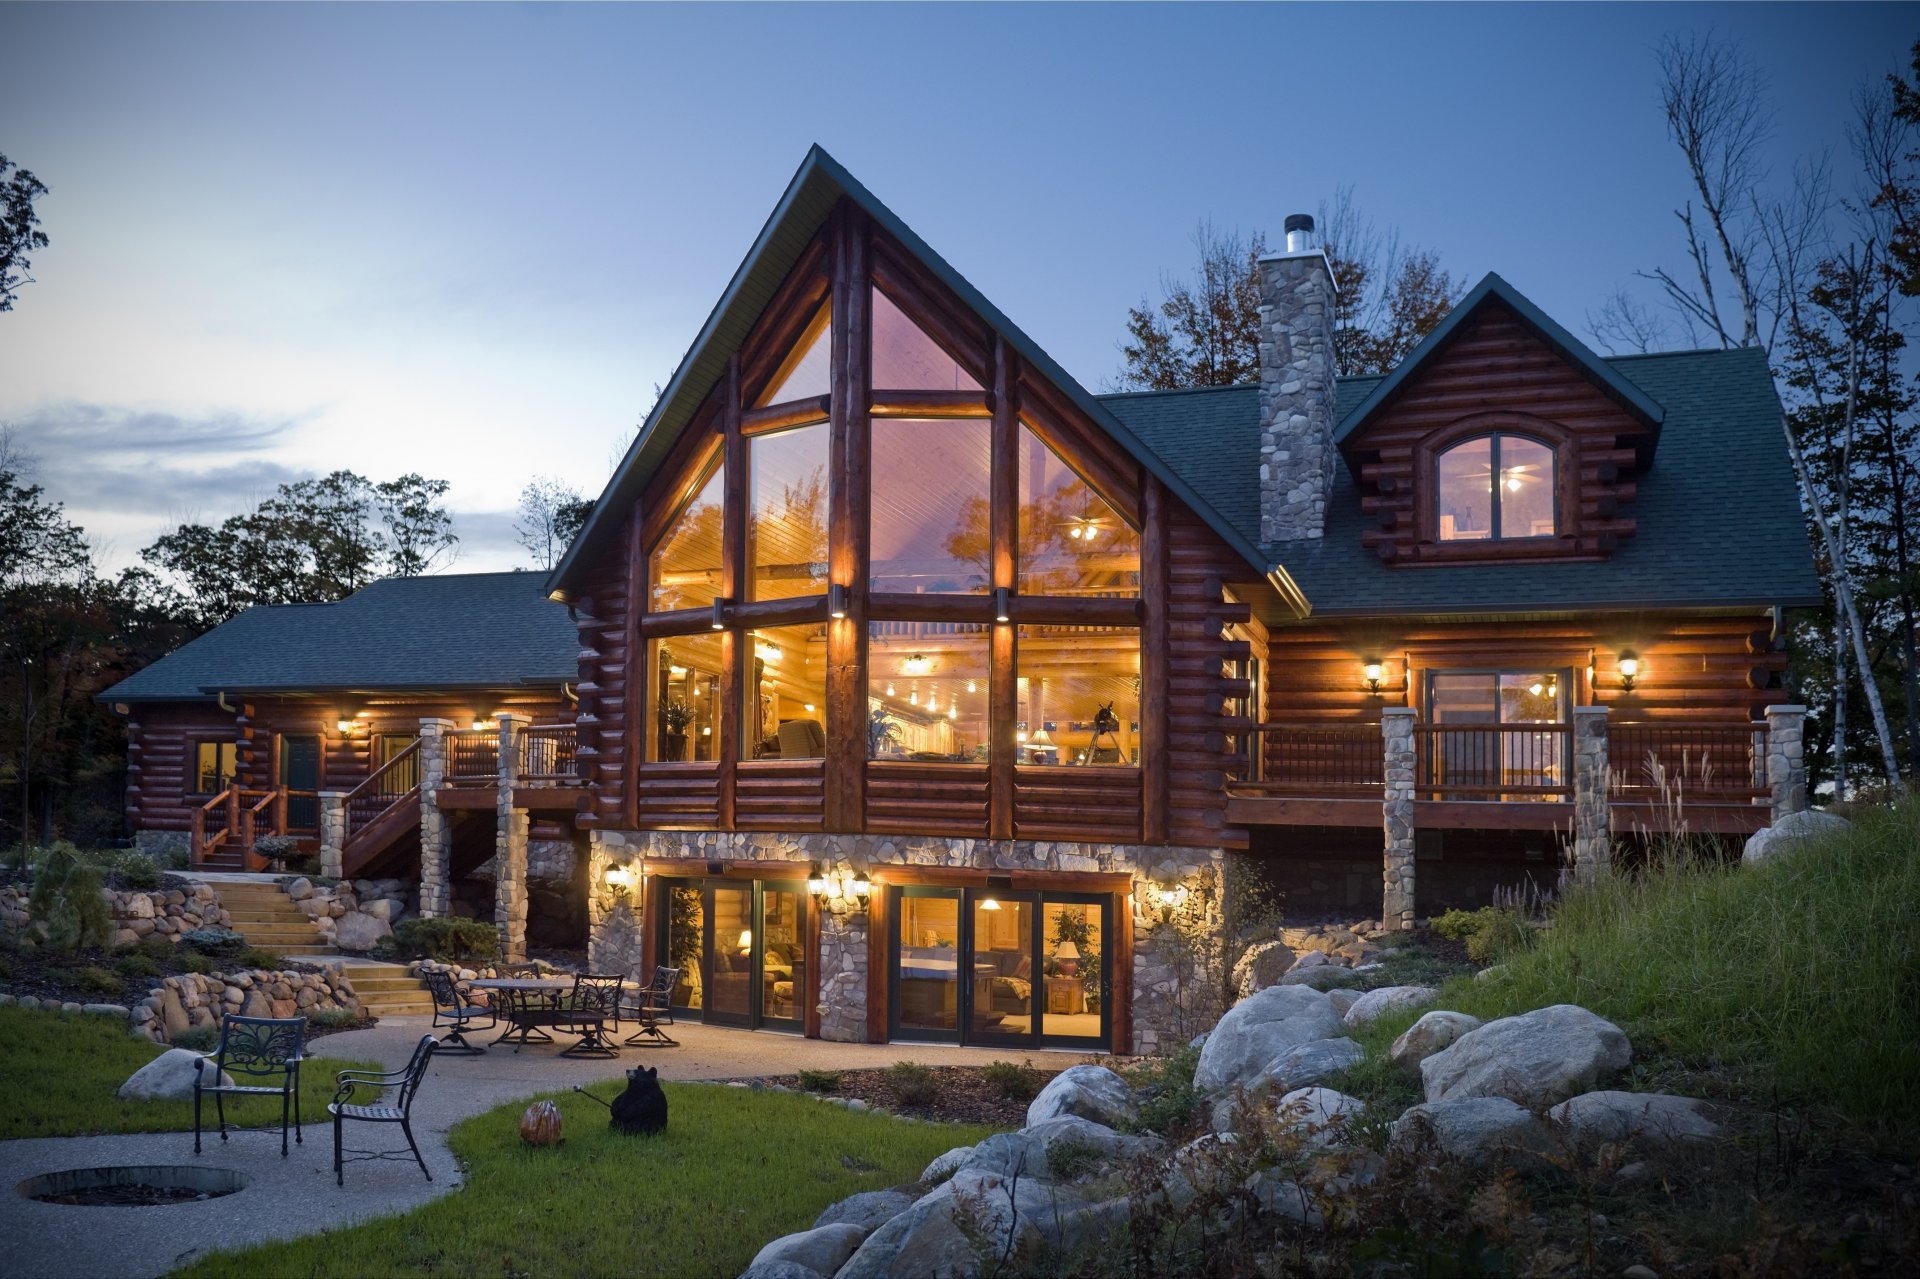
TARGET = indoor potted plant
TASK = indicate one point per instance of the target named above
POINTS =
(675, 716)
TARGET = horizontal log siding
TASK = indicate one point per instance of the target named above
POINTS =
(1198, 691)
(602, 614)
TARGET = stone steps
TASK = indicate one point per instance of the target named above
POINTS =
(268, 918)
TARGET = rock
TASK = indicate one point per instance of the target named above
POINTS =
(869, 1210)
(1025, 1153)
(381, 909)
(1307, 1064)
(1311, 958)
(1789, 831)
(1646, 1121)
(1342, 999)
(168, 1077)
(1378, 1003)
(1536, 1059)
(138, 906)
(108, 1010)
(1321, 977)
(978, 1212)
(823, 1249)
(300, 889)
(944, 1166)
(1091, 1092)
(1323, 1112)
(1280, 1194)
(1262, 966)
(1434, 1031)
(1639, 1272)
(1476, 1130)
(313, 907)
(1258, 1029)
(779, 1270)
(360, 931)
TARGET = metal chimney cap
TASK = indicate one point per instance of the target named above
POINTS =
(1299, 222)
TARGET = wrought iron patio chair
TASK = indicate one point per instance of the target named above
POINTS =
(651, 1005)
(594, 1003)
(456, 1014)
(406, 1085)
(257, 1048)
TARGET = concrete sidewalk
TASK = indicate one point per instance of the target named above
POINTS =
(296, 1196)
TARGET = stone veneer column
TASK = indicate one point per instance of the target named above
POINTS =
(1297, 299)
(333, 832)
(436, 835)
(1396, 732)
(843, 974)
(510, 845)
(1786, 760)
(1592, 808)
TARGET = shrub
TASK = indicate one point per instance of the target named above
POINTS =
(1168, 1098)
(255, 957)
(332, 1018)
(135, 964)
(67, 898)
(200, 1039)
(221, 943)
(155, 946)
(1491, 933)
(1457, 924)
(193, 961)
(132, 869)
(913, 1084)
(1016, 1083)
(448, 940)
(98, 981)
(820, 1080)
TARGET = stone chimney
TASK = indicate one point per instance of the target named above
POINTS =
(1296, 387)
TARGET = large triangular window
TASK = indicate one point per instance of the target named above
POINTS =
(808, 369)
(906, 359)
(1072, 542)
(684, 570)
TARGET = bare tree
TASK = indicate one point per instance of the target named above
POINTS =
(547, 518)
(1624, 325)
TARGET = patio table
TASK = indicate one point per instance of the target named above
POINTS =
(525, 1017)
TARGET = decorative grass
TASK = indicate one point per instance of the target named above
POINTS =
(1793, 981)
(60, 1074)
(734, 1169)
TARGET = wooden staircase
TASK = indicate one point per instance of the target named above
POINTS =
(269, 919)
(386, 990)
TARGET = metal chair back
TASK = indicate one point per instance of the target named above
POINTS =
(260, 1045)
(440, 986)
(415, 1072)
(596, 993)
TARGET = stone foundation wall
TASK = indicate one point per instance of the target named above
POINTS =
(1159, 984)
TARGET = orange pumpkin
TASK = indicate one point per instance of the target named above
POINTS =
(540, 1125)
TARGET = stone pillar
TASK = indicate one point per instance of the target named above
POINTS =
(1786, 760)
(1297, 301)
(333, 832)
(436, 834)
(510, 845)
(1396, 731)
(843, 974)
(1592, 809)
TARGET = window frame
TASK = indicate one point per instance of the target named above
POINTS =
(1558, 442)
(228, 746)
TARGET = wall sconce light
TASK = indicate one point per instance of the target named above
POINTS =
(621, 880)
(1375, 674)
(836, 600)
(1002, 604)
(862, 886)
(719, 613)
(817, 881)
(478, 724)
(1629, 671)
(839, 886)
(1169, 898)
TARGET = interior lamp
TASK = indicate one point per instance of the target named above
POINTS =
(1375, 674)
(918, 664)
(1040, 740)
(746, 941)
(1069, 956)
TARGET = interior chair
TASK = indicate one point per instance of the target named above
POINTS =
(803, 739)
(265, 1050)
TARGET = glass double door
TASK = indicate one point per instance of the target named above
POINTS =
(984, 966)
(741, 948)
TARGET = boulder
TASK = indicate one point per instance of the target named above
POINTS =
(384, 909)
(1091, 1092)
(1476, 1130)
(107, 1010)
(1376, 1004)
(1789, 831)
(946, 1165)
(137, 906)
(780, 1270)
(823, 1249)
(1536, 1059)
(978, 1212)
(173, 1013)
(168, 1077)
(1322, 1112)
(1262, 966)
(1258, 1029)
(1343, 998)
(1321, 977)
(1307, 1064)
(358, 930)
(1280, 1194)
(1025, 1153)
(1434, 1031)
(1646, 1121)
(869, 1210)
(300, 889)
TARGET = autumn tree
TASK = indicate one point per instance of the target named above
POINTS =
(20, 236)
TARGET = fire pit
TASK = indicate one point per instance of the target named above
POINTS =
(132, 1186)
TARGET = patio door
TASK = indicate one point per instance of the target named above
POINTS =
(1499, 734)
(753, 959)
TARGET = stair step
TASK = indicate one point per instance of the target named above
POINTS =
(387, 985)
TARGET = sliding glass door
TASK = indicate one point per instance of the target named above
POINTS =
(741, 947)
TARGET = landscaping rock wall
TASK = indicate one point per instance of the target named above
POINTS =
(355, 914)
(176, 907)
(192, 1000)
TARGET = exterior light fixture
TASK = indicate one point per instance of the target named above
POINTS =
(836, 600)
(344, 725)
(1629, 671)
(1002, 604)
(862, 886)
(817, 881)
(1375, 674)
(479, 724)
(989, 903)
(719, 613)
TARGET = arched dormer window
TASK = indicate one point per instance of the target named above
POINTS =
(1496, 487)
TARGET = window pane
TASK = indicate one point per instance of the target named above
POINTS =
(1531, 698)
(906, 359)
(1526, 488)
(1463, 699)
(927, 691)
(783, 953)
(929, 940)
(1079, 696)
(808, 369)
(684, 571)
(686, 917)
(786, 693)
(213, 767)
(685, 694)
(787, 521)
(929, 488)
(1003, 967)
(1465, 504)
(1071, 541)
(1073, 940)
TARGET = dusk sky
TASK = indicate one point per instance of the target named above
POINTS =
(469, 241)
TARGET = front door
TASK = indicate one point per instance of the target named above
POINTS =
(300, 774)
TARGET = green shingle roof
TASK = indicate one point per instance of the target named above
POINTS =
(466, 630)
(1719, 520)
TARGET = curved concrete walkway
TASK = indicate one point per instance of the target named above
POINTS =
(286, 1198)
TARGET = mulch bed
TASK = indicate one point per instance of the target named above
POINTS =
(962, 1096)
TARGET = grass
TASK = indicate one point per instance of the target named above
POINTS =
(59, 1075)
(735, 1169)
(1794, 981)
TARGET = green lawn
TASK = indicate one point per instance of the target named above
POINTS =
(735, 1169)
(60, 1073)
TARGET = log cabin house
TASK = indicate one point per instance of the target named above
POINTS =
(899, 687)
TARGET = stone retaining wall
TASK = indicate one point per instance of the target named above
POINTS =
(176, 907)
(192, 1000)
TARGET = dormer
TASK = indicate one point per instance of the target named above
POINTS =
(1500, 437)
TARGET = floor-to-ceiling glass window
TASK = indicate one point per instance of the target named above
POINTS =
(741, 947)
(926, 963)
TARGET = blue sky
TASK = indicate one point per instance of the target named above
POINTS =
(469, 241)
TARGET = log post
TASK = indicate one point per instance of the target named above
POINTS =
(1397, 898)
(1592, 808)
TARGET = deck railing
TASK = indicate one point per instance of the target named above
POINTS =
(1724, 762)
(547, 753)
(473, 757)
(1492, 761)
(392, 783)
(1333, 759)
(214, 824)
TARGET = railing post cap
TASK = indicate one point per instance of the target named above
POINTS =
(1398, 710)
(1785, 709)
(505, 716)
(433, 721)
(1593, 710)
(331, 794)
